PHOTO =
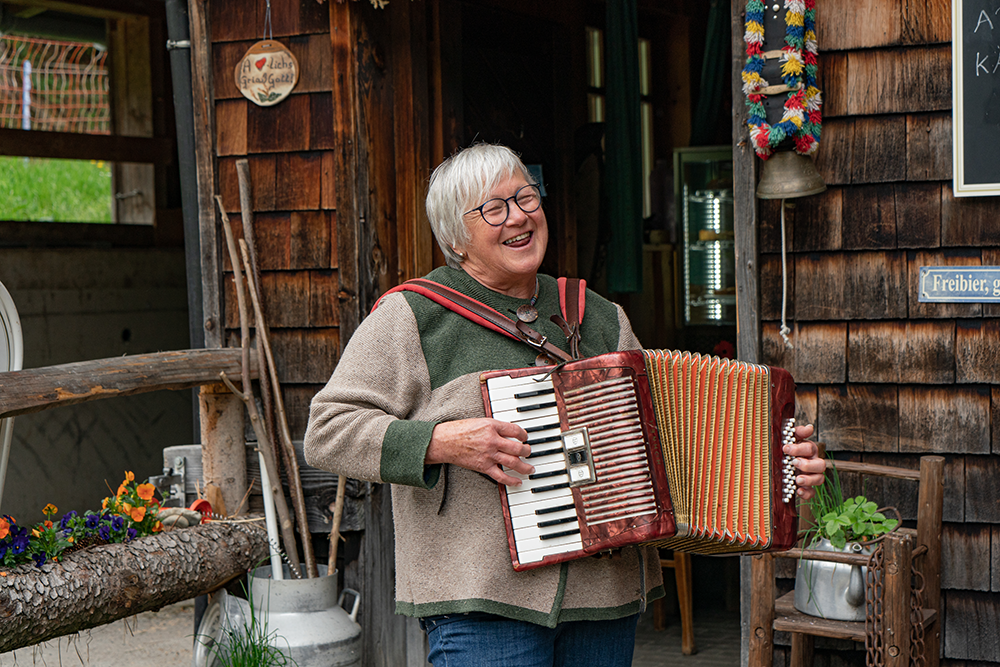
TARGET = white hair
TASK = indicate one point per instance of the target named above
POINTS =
(461, 183)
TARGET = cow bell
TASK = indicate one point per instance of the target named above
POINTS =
(787, 174)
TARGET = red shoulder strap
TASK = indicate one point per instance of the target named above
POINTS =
(438, 293)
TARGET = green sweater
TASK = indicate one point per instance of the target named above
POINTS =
(413, 364)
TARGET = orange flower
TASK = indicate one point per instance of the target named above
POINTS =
(4, 528)
(157, 527)
(129, 477)
(138, 514)
(36, 532)
(70, 539)
(3, 574)
(122, 490)
(50, 509)
(126, 508)
(48, 524)
(104, 504)
(145, 491)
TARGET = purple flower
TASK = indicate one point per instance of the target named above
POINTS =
(92, 521)
(67, 517)
(131, 532)
(20, 544)
(117, 523)
(3, 548)
(39, 559)
(104, 533)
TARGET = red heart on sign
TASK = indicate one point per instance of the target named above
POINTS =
(260, 63)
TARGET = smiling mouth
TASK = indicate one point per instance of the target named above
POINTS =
(517, 239)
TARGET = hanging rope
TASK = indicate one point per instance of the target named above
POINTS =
(784, 330)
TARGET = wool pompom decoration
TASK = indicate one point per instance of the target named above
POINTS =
(802, 118)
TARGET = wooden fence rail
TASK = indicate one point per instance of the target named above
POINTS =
(36, 389)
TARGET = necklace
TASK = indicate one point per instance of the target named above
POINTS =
(527, 313)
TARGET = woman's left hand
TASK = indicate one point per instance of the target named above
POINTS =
(811, 468)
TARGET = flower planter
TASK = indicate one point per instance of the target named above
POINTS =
(834, 591)
(105, 583)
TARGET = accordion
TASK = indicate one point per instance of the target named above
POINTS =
(674, 449)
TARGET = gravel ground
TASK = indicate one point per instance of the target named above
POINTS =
(156, 639)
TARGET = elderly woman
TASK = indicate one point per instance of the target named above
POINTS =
(404, 407)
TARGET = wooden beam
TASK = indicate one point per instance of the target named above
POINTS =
(203, 111)
(77, 146)
(115, 581)
(345, 166)
(37, 389)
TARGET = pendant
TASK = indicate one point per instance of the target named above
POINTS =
(545, 360)
(527, 314)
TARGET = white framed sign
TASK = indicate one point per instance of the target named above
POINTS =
(975, 89)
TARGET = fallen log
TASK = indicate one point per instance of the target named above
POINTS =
(106, 583)
(36, 389)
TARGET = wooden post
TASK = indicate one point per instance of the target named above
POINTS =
(761, 617)
(223, 448)
(203, 111)
(931, 497)
(896, 600)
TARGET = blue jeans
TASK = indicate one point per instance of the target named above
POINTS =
(484, 640)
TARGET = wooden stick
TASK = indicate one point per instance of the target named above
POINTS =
(263, 442)
(292, 463)
(338, 513)
(246, 215)
(270, 388)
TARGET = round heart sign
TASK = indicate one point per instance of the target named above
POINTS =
(267, 73)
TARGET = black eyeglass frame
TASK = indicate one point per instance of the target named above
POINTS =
(506, 202)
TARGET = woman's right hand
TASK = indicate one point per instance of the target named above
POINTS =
(481, 445)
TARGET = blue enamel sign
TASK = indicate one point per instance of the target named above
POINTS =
(958, 284)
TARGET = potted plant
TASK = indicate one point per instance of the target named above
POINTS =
(836, 591)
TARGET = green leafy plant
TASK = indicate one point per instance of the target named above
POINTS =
(842, 520)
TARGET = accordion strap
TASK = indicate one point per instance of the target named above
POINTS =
(572, 302)
(479, 313)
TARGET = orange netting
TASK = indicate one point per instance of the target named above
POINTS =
(67, 87)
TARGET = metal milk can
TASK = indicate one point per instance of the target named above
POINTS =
(304, 618)
(834, 591)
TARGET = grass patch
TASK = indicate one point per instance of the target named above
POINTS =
(51, 190)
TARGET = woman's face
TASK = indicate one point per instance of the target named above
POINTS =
(506, 258)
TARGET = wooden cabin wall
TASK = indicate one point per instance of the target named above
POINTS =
(337, 172)
(883, 377)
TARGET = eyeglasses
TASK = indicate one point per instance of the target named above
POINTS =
(496, 211)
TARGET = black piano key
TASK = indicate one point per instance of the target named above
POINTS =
(546, 452)
(552, 536)
(550, 510)
(538, 441)
(550, 487)
(543, 475)
(556, 522)
(539, 392)
(542, 427)
(536, 406)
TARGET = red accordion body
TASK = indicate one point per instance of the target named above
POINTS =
(647, 446)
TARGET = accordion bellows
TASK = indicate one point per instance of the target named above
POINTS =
(648, 447)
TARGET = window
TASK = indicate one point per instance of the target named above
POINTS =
(595, 102)
(77, 117)
(56, 86)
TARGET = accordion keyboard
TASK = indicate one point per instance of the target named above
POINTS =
(543, 515)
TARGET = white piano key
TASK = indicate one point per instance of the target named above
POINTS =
(531, 518)
(529, 509)
(558, 544)
(536, 555)
(521, 496)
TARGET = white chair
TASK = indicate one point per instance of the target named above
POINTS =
(11, 358)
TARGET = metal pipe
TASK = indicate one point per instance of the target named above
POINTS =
(179, 46)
